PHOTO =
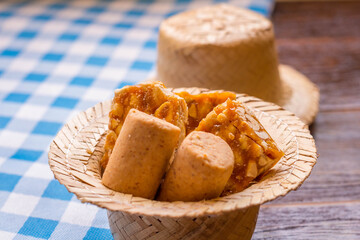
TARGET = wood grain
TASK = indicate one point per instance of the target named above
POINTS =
(322, 40)
(332, 221)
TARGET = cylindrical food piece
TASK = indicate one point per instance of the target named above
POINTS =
(140, 155)
(202, 166)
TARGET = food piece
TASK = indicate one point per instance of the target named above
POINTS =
(141, 155)
(200, 105)
(254, 150)
(152, 98)
(200, 170)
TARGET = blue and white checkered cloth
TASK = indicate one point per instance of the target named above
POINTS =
(56, 59)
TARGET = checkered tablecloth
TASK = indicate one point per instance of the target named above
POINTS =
(58, 58)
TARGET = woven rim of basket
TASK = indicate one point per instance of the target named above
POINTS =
(76, 150)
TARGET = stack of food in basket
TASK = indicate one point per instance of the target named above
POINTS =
(182, 147)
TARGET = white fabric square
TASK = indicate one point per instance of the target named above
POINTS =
(40, 45)
(5, 41)
(20, 204)
(150, 21)
(2, 160)
(97, 94)
(109, 17)
(7, 85)
(161, 7)
(70, 13)
(12, 139)
(22, 65)
(95, 30)
(14, 24)
(31, 9)
(67, 69)
(55, 26)
(82, 48)
(31, 112)
(138, 34)
(113, 74)
(121, 5)
(7, 235)
(79, 213)
(39, 170)
(83, 4)
(127, 53)
(50, 89)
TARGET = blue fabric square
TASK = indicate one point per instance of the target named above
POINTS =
(125, 83)
(83, 21)
(57, 191)
(4, 121)
(150, 44)
(98, 233)
(27, 155)
(258, 9)
(17, 97)
(6, 14)
(99, 61)
(27, 34)
(8, 181)
(56, 57)
(68, 37)
(15, 167)
(65, 102)
(135, 13)
(142, 65)
(124, 25)
(37, 227)
(57, 6)
(10, 52)
(96, 9)
(13, 222)
(32, 186)
(35, 77)
(50, 208)
(82, 81)
(111, 41)
(47, 128)
(43, 17)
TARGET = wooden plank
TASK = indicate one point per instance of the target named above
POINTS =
(322, 41)
(333, 64)
(317, 19)
(325, 187)
(336, 221)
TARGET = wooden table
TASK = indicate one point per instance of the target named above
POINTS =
(322, 40)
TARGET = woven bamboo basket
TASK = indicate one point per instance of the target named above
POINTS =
(77, 149)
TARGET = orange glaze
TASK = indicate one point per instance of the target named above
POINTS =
(255, 152)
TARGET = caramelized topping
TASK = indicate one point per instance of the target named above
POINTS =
(201, 104)
(254, 150)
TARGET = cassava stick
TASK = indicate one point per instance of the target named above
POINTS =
(200, 170)
(141, 155)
